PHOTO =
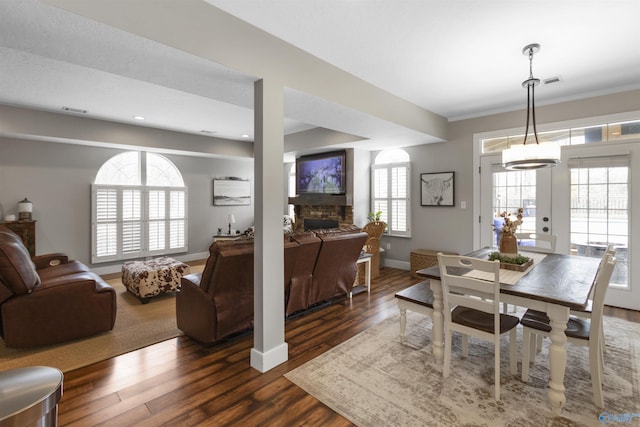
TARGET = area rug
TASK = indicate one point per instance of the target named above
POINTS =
(137, 325)
(374, 380)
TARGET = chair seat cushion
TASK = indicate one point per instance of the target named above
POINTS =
(482, 321)
(576, 327)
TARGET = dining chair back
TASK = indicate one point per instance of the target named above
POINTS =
(580, 331)
(471, 298)
(536, 242)
(587, 311)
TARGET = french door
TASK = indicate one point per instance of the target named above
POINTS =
(586, 201)
(504, 192)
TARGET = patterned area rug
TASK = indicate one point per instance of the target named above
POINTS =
(373, 380)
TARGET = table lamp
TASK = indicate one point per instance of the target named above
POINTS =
(231, 220)
(25, 208)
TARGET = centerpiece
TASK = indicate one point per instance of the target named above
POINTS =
(508, 247)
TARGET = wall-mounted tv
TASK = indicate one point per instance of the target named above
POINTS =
(321, 173)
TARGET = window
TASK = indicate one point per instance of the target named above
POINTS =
(292, 191)
(138, 208)
(390, 190)
(609, 132)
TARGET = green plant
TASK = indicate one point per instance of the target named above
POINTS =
(372, 217)
(518, 259)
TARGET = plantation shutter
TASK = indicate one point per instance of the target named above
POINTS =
(136, 221)
(105, 223)
(390, 195)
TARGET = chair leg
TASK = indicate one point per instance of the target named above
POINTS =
(496, 368)
(447, 354)
(595, 366)
(513, 358)
(403, 323)
(527, 337)
(602, 346)
(465, 346)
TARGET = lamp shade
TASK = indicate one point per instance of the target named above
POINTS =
(25, 208)
(531, 156)
(231, 219)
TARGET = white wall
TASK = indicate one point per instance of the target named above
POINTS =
(57, 177)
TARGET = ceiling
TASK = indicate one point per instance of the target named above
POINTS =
(456, 58)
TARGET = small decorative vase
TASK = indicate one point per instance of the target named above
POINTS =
(508, 245)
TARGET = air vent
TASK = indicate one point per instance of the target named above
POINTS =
(208, 132)
(551, 80)
(74, 110)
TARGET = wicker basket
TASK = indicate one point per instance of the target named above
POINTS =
(424, 258)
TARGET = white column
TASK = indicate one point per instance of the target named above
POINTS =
(269, 349)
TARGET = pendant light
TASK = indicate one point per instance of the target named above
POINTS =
(533, 155)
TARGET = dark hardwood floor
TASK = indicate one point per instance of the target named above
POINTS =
(179, 382)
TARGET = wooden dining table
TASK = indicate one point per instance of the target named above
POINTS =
(555, 285)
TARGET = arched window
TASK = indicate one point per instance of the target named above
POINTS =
(391, 189)
(138, 208)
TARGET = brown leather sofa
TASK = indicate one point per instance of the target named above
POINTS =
(49, 299)
(219, 302)
(335, 269)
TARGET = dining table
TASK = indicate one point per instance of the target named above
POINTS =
(554, 284)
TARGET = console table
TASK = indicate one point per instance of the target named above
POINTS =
(26, 229)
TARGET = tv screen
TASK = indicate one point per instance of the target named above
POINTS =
(321, 173)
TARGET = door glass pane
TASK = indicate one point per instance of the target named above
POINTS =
(599, 215)
(513, 190)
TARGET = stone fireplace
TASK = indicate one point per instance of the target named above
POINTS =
(322, 207)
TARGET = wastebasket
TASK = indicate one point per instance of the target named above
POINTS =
(30, 396)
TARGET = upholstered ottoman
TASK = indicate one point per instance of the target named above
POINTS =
(146, 279)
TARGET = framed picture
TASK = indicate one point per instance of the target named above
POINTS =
(436, 189)
(231, 191)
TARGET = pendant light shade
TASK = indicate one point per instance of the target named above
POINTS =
(535, 155)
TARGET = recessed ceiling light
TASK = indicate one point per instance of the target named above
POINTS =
(245, 136)
(138, 117)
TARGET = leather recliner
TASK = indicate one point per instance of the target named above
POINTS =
(49, 299)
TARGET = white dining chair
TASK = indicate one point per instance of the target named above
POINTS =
(536, 242)
(584, 332)
(472, 307)
(587, 311)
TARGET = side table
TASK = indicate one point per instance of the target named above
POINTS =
(30, 396)
(366, 259)
(26, 229)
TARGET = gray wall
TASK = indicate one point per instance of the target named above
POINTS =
(57, 178)
(451, 228)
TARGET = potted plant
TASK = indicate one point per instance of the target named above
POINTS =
(374, 217)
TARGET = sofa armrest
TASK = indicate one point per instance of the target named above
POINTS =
(195, 311)
(50, 260)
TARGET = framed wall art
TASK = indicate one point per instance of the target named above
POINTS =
(436, 189)
(231, 191)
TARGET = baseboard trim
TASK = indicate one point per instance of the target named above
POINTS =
(394, 263)
(266, 361)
